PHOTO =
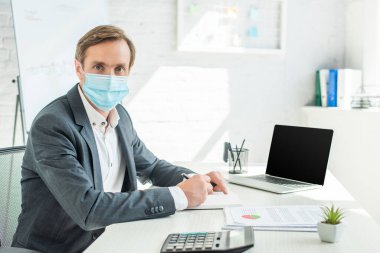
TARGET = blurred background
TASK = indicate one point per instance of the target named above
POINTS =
(209, 71)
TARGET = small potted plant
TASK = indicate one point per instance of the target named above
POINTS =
(330, 229)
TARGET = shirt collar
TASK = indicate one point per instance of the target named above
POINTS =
(96, 119)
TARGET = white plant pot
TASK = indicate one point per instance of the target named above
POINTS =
(330, 233)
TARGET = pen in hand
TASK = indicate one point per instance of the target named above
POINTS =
(185, 176)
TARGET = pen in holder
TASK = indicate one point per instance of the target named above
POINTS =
(237, 158)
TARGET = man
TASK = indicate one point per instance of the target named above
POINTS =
(83, 157)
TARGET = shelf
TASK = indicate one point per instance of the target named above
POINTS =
(339, 109)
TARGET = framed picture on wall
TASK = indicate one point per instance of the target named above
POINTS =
(231, 26)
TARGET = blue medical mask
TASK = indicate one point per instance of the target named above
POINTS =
(105, 91)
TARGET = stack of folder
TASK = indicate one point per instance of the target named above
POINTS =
(336, 87)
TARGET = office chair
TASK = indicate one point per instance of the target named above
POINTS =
(10, 196)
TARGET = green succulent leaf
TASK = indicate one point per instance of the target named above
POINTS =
(332, 215)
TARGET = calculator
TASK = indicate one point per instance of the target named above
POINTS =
(234, 241)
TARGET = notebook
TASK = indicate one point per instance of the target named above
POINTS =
(219, 200)
(297, 160)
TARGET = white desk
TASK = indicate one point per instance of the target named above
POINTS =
(362, 233)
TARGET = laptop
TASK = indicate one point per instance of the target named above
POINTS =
(297, 160)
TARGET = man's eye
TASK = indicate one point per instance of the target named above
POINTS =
(120, 69)
(98, 67)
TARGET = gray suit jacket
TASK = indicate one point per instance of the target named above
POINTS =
(64, 207)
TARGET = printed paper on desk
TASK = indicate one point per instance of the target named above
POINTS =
(219, 200)
(275, 216)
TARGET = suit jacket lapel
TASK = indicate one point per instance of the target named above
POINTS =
(130, 179)
(81, 118)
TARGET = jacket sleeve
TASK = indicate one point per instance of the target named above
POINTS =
(53, 143)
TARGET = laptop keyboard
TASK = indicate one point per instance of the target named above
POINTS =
(280, 181)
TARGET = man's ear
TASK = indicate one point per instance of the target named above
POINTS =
(79, 71)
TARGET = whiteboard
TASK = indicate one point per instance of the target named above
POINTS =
(46, 36)
(231, 26)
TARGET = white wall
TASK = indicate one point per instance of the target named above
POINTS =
(354, 34)
(363, 40)
(185, 105)
(371, 43)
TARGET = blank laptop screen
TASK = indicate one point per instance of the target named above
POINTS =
(299, 153)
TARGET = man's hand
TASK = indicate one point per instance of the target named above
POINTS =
(196, 189)
(217, 178)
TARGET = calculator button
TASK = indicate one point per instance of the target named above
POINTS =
(208, 247)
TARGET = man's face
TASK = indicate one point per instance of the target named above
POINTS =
(106, 58)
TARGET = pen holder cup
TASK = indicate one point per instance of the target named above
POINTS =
(238, 161)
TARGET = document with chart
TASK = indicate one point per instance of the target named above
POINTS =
(285, 218)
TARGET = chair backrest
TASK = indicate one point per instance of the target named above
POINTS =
(10, 192)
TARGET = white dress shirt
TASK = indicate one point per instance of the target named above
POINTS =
(112, 163)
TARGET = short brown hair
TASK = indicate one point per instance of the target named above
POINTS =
(100, 34)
